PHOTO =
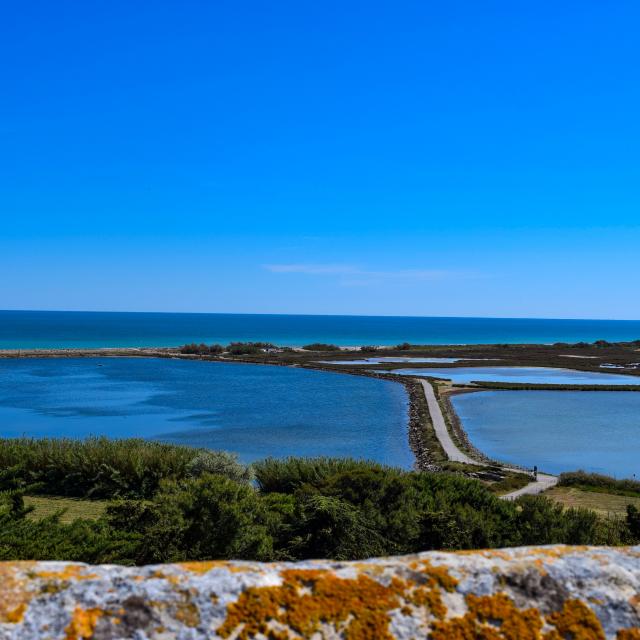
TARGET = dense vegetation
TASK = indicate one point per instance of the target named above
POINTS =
(201, 349)
(235, 348)
(248, 348)
(104, 468)
(321, 346)
(176, 503)
(599, 483)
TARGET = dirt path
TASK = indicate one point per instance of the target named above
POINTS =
(440, 427)
(543, 482)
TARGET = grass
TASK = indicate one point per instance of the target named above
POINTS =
(600, 483)
(74, 507)
(601, 503)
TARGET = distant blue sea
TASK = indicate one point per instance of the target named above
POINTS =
(62, 329)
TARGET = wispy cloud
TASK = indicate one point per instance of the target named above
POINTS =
(311, 269)
(351, 275)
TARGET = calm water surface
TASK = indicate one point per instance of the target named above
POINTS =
(556, 430)
(538, 375)
(69, 329)
(255, 410)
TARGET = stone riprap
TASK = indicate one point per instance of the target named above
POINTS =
(552, 593)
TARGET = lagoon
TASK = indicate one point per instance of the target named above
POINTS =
(254, 410)
(598, 431)
(531, 375)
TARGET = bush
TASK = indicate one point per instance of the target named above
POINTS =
(201, 349)
(597, 482)
(222, 463)
(95, 467)
(206, 508)
(285, 475)
(633, 522)
(327, 527)
(320, 346)
(203, 518)
(248, 348)
(23, 538)
(403, 346)
(369, 348)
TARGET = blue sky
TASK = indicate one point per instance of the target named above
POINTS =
(397, 158)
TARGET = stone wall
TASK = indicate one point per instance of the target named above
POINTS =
(513, 594)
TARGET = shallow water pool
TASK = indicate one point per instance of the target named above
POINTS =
(598, 431)
(537, 375)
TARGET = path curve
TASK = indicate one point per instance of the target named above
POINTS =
(542, 483)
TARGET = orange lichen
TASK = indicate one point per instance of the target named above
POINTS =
(497, 618)
(628, 634)
(309, 598)
(70, 572)
(577, 621)
(439, 576)
(188, 614)
(15, 615)
(14, 596)
(83, 623)
(491, 618)
(429, 598)
(208, 565)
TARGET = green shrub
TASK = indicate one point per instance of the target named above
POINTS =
(184, 508)
(633, 522)
(285, 475)
(598, 482)
(321, 346)
(327, 527)
(201, 349)
(219, 462)
(248, 348)
(94, 467)
(203, 518)
(22, 538)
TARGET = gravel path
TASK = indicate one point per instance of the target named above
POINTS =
(543, 482)
(440, 426)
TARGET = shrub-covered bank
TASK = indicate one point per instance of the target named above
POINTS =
(104, 468)
(201, 505)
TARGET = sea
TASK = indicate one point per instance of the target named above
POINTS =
(75, 329)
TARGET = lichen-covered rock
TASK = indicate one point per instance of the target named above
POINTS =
(550, 593)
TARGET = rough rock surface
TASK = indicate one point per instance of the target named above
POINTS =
(553, 593)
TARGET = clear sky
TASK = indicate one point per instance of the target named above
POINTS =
(398, 158)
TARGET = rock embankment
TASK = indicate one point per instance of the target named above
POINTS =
(548, 593)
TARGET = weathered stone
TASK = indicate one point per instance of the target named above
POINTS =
(548, 593)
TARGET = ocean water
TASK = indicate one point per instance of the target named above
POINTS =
(534, 375)
(254, 410)
(58, 329)
(598, 431)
